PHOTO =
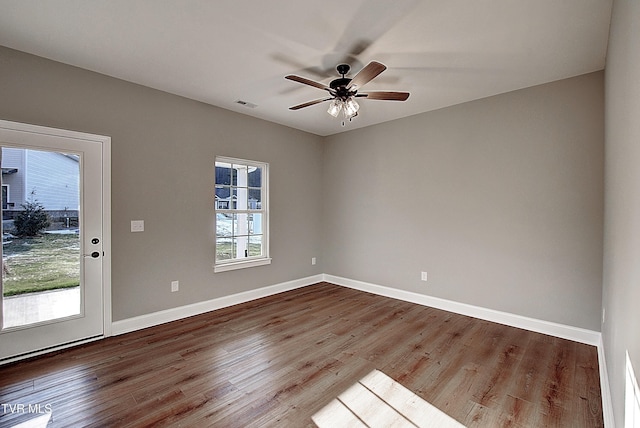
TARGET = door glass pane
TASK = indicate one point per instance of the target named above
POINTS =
(40, 236)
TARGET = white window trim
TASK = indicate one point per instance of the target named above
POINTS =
(233, 264)
(242, 264)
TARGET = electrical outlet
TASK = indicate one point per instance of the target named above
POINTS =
(423, 277)
(603, 314)
(313, 260)
(137, 225)
(175, 286)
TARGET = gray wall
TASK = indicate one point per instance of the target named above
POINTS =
(163, 149)
(500, 200)
(621, 330)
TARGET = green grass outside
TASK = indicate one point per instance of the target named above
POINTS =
(224, 250)
(41, 263)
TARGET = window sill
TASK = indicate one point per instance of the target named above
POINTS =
(241, 265)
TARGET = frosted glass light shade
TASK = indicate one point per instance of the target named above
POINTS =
(350, 107)
(335, 107)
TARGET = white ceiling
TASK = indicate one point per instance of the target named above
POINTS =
(218, 52)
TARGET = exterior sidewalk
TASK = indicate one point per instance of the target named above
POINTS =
(38, 307)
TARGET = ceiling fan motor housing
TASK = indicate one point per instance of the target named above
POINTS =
(340, 85)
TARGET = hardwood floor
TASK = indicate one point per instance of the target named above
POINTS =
(278, 360)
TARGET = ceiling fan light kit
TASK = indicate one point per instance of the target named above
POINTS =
(349, 109)
(344, 90)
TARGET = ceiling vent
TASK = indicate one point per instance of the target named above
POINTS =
(246, 104)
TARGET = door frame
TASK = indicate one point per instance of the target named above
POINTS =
(105, 143)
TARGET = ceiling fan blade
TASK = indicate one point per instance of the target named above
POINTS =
(310, 103)
(300, 67)
(385, 95)
(309, 82)
(365, 75)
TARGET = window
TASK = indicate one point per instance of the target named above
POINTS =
(242, 215)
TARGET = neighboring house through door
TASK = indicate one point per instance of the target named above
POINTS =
(51, 178)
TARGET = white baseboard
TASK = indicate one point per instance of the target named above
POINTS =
(576, 334)
(173, 314)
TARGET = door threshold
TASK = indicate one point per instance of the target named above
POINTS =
(40, 352)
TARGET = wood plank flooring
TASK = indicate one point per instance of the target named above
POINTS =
(277, 361)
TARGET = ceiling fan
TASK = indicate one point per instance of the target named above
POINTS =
(344, 90)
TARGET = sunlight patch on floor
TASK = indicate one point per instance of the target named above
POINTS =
(376, 400)
(40, 421)
(632, 397)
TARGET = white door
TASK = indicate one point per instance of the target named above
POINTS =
(53, 281)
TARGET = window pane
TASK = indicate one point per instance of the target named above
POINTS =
(223, 192)
(222, 197)
(223, 173)
(241, 224)
(241, 246)
(241, 197)
(255, 245)
(224, 248)
(239, 175)
(224, 225)
(255, 224)
(255, 177)
(255, 199)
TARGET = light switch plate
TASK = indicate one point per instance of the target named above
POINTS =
(137, 225)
